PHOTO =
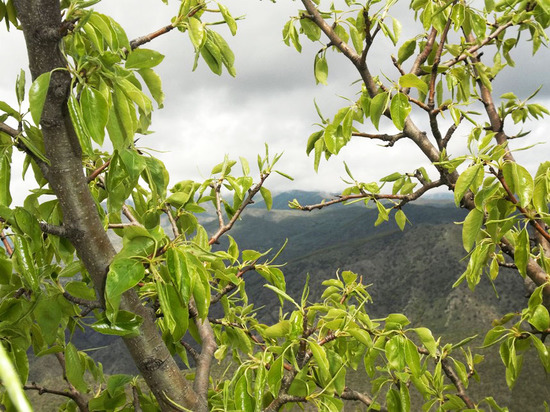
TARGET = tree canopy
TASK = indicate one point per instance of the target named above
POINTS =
(92, 91)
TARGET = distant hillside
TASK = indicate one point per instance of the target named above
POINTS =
(411, 272)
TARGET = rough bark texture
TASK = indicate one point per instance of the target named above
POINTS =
(41, 21)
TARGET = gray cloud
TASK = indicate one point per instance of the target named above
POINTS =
(271, 100)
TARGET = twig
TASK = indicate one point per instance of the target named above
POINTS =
(88, 304)
(121, 225)
(172, 221)
(358, 61)
(391, 139)
(225, 228)
(140, 41)
(128, 213)
(97, 171)
(229, 287)
(453, 377)
(404, 198)
(79, 399)
(469, 52)
(8, 130)
(351, 395)
(7, 246)
(423, 56)
(55, 230)
(191, 350)
(135, 403)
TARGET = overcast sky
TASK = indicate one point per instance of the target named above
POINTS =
(270, 100)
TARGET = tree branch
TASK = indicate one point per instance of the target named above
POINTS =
(404, 198)
(249, 199)
(98, 171)
(204, 360)
(6, 243)
(76, 396)
(10, 131)
(229, 287)
(391, 139)
(167, 209)
(351, 395)
(469, 52)
(55, 230)
(336, 41)
(536, 225)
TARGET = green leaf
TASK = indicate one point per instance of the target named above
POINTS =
(5, 178)
(154, 84)
(321, 361)
(522, 251)
(228, 18)
(470, 229)
(520, 182)
(125, 324)
(377, 107)
(74, 368)
(540, 319)
(79, 127)
(95, 112)
(12, 383)
(465, 181)
(412, 80)
(400, 219)
(275, 375)
(266, 195)
(143, 59)
(278, 330)
(197, 32)
(124, 273)
(406, 50)
(37, 95)
(399, 110)
(427, 340)
(320, 69)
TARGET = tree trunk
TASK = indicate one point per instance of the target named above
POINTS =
(41, 23)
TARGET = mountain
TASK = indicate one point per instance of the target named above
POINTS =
(411, 272)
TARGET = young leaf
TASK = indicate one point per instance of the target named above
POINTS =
(465, 180)
(37, 95)
(143, 59)
(378, 105)
(399, 110)
(471, 228)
